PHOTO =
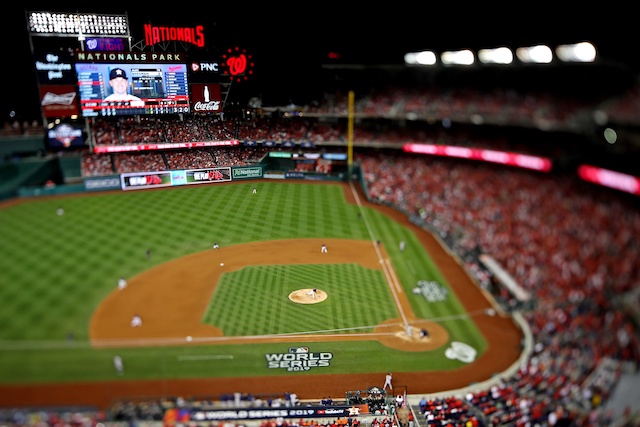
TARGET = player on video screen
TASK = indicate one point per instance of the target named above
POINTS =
(119, 82)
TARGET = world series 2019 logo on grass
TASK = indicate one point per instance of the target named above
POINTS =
(298, 359)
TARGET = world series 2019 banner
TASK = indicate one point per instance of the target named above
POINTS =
(337, 411)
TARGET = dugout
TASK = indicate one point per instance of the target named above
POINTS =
(374, 397)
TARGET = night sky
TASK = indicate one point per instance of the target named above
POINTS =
(289, 43)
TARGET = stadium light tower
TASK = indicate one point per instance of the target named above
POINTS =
(54, 65)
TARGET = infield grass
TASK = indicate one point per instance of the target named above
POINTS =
(55, 270)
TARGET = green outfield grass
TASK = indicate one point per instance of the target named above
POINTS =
(55, 270)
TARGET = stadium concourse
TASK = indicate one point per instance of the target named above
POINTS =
(569, 244)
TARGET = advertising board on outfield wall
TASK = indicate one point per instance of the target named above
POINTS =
(140, 180)
(246, 172)
(102, 183)
(157, 179)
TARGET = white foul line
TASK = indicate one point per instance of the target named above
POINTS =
(387, 268)
(205, 357)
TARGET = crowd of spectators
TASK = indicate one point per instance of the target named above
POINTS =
(570, 244)
(138, 130)
(93, 164)
(498, 105)
(12, 128)
(325, 136)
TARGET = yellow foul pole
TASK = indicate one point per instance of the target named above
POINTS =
(350, 134)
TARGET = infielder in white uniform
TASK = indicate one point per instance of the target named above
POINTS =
(136, 321)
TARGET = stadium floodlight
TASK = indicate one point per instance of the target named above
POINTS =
(426, 57)
(578, 52)
(459, 57)
(499, 55)
(540, 54)
(77, 24)
(410, 58)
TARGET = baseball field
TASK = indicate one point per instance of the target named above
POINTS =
(241, 317)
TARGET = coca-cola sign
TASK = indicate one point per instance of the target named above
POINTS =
(207, 107)
(206, 98)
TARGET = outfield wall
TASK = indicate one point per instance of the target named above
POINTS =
(21, 146)
(31, 173)
(117, 181)
(29, 178)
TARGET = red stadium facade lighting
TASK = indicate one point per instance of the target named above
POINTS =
(541, 164)
(608, 178)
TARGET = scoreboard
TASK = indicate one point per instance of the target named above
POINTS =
(163, 88)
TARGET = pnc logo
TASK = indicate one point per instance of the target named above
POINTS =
(204, 66)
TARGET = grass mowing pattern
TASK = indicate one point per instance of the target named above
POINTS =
(263, 310)
(55, 270)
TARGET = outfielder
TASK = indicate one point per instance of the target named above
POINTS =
(118, 364)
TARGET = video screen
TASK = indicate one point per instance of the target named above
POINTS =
(65, 135)
(115, 89)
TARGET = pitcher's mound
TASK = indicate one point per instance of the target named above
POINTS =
(305, 296)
